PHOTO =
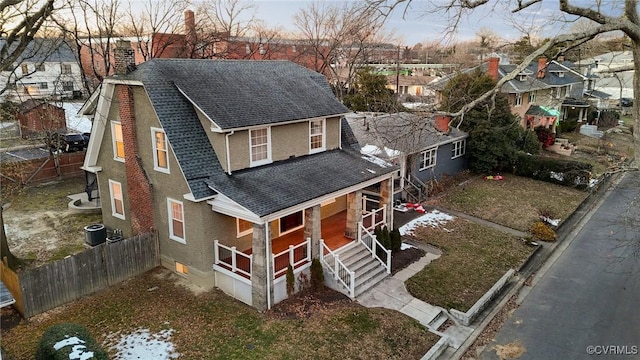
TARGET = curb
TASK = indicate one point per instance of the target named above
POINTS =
(544, 253)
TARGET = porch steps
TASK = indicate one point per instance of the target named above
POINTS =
(368, 270)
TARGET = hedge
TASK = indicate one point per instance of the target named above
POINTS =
(559, 171)
(61, 340)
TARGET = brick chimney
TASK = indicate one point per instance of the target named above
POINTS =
(124, 57)
(492, 71)
(138, 184)
(442, 123)
(542, 68)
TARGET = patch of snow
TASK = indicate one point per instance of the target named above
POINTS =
(74, 340)
(7, 124)
(433, 218)
(373, 150)
(557, 176)
(550, 221)
(142, 344)
(376, 160)
(78, 351)
(405, 246)
(75, 122)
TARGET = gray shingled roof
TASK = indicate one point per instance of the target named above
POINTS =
(266, 189)
(236, 94)
(405, 132)
(44, 50)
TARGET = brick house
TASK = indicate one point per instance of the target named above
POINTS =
(35, 117)
(242, 168)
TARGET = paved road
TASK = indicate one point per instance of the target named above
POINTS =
(587, 300)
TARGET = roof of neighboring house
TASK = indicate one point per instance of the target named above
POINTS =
(532, 82)
(597, 94)
(410, 80)
(266, 189)
(405, 132)
(33, 103)
(237, 94)
(45, 50)
(537, 110)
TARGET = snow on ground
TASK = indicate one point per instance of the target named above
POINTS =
(405, 246)
(142, 344)
(75, 122)
(433, 218)
(550, 221)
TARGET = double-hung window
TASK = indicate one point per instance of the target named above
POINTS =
(518, 100)
(118, 141)
(428, 158)
(291, 222)
(244, 227)
(176, 220)
(317, 138)
(117, 201)
(458, 148)
(532, 96)
(160, 150)
(259, 143)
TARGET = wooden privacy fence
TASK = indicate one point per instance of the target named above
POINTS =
(63, 281)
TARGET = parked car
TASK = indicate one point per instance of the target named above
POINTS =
(68, 142)
(625, 102)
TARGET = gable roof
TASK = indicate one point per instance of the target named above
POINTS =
(44, 50)
(405, 132)
(237, 94)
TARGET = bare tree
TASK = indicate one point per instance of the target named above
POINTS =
(341, 38)
(156, 19)
(622, 16)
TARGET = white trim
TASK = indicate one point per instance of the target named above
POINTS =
(113, 199)
(459, 151)
(263, 161)
(226, 206)
(323, 147)
(114, 143)
(154, 145)
(170, 219)
(104, 98)
(280, 233)
(239, 233)
(422, 158)
(117, 81)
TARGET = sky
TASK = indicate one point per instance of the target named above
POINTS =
(419, 24)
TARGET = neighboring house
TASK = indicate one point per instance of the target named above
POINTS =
(544, 93)
(410, 85)
(37, 117)
(47, 69)
(425, 148)
(241, 167)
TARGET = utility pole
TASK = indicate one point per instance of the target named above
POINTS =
(398, 74)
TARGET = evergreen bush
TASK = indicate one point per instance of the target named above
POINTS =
(60, 340)
(559, 171)
(317, 275)
(291, 281)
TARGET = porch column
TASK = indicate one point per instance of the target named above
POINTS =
(354, 213)
(386, 199)
(259, 275)
(312, 229)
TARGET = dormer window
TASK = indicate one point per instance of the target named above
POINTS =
(317, 138)
(260, 146)
(522, 77)
(560, 73)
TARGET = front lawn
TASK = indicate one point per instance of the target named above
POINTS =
(515, 202)
(211, 325)
(473, 258)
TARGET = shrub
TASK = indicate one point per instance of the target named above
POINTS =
(67, 338)
(542, 231)
(567, 126)
(396, 240)
(317, 275)
(560, 171)
(291, 281)
(545, 136)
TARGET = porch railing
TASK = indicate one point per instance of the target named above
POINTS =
(340, 272)
(294, 255)
(231, 258)
(374, 218)
(375, 248)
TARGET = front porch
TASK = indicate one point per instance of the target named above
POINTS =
(235, 270)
